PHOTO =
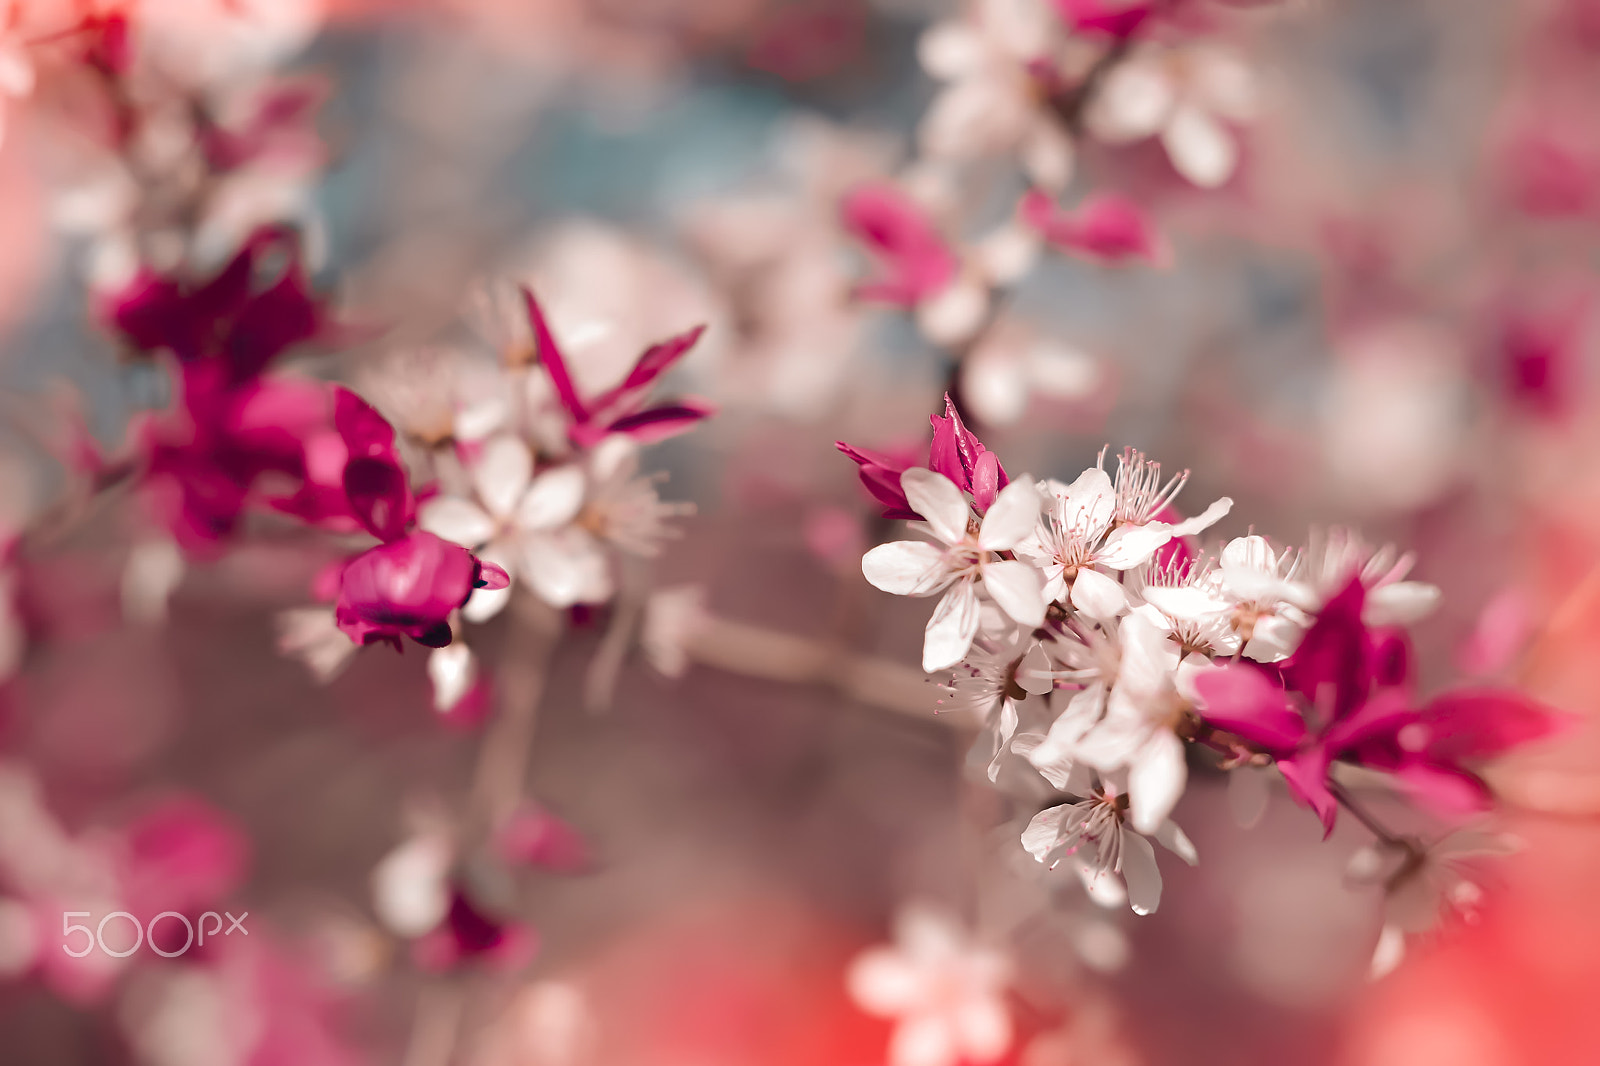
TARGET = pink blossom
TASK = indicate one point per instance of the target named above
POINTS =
(1105, 227)
(915, 260)
(533, 836)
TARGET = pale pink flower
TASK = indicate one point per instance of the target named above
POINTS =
(1189, 96)
(945, 994)
(993, 103)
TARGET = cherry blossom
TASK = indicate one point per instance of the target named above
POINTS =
(995, 103)
(1093, 831)
(970, 557)
(1188, 96)
(945, 994)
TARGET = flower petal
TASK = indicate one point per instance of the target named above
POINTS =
(1156, 780)
(1013, 515)
(937, 499)
(455, 519)
(906, 568)
(1140, 872)
(501, 473)
(1017, 588)
(1177, 841)
(951, 629)
(553, 499)
(1200, 148)
(1096, 595)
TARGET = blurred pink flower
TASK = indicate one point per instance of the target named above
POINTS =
(1106, 227)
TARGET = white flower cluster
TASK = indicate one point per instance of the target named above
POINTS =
(1076, 618)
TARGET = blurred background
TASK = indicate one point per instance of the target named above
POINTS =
(1382, 314)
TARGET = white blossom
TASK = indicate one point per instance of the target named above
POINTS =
(966, 558)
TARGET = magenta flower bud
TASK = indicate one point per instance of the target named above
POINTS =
(408, 587)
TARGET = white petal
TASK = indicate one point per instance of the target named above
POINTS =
(1200, 148)
(951, 49)
(1204, 520)
(984, 1029)
(881, 981)
(1132, 546)
(1133, 102)
(1141, 874)
(1018, 589)
(924, 1040)
(995, 384)
(1013, 515)
(1089, 503)
(453, 670)
(1033, 674)
(1043, 833)
(1186, 602)
(1097, 595)
(455, 519)
(1389, 952)
(937, 499)
(1006, 727)
(1047, 156)
(906, 568)
(1177, 841)
(955, 314)
(951, 629)
(1155, 781)
(553, 499)
(1400, 603)
(566, 567)
(501, 473)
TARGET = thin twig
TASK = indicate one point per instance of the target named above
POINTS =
(503, 758)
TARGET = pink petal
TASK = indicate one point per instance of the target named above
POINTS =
(1242, 700)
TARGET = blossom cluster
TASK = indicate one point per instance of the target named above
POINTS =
(1083, 625)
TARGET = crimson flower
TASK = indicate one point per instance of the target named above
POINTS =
(1344, 696)
(408, 585)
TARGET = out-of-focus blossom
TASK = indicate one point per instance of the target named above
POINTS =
(1107, 228)
(1013, 363)
(921, 270)
(1094, 833)
(1422, 883)
(998, 63)
(945, 994)
(312, 635)
(1396, 415)
(1189, 96)
(966, 560)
